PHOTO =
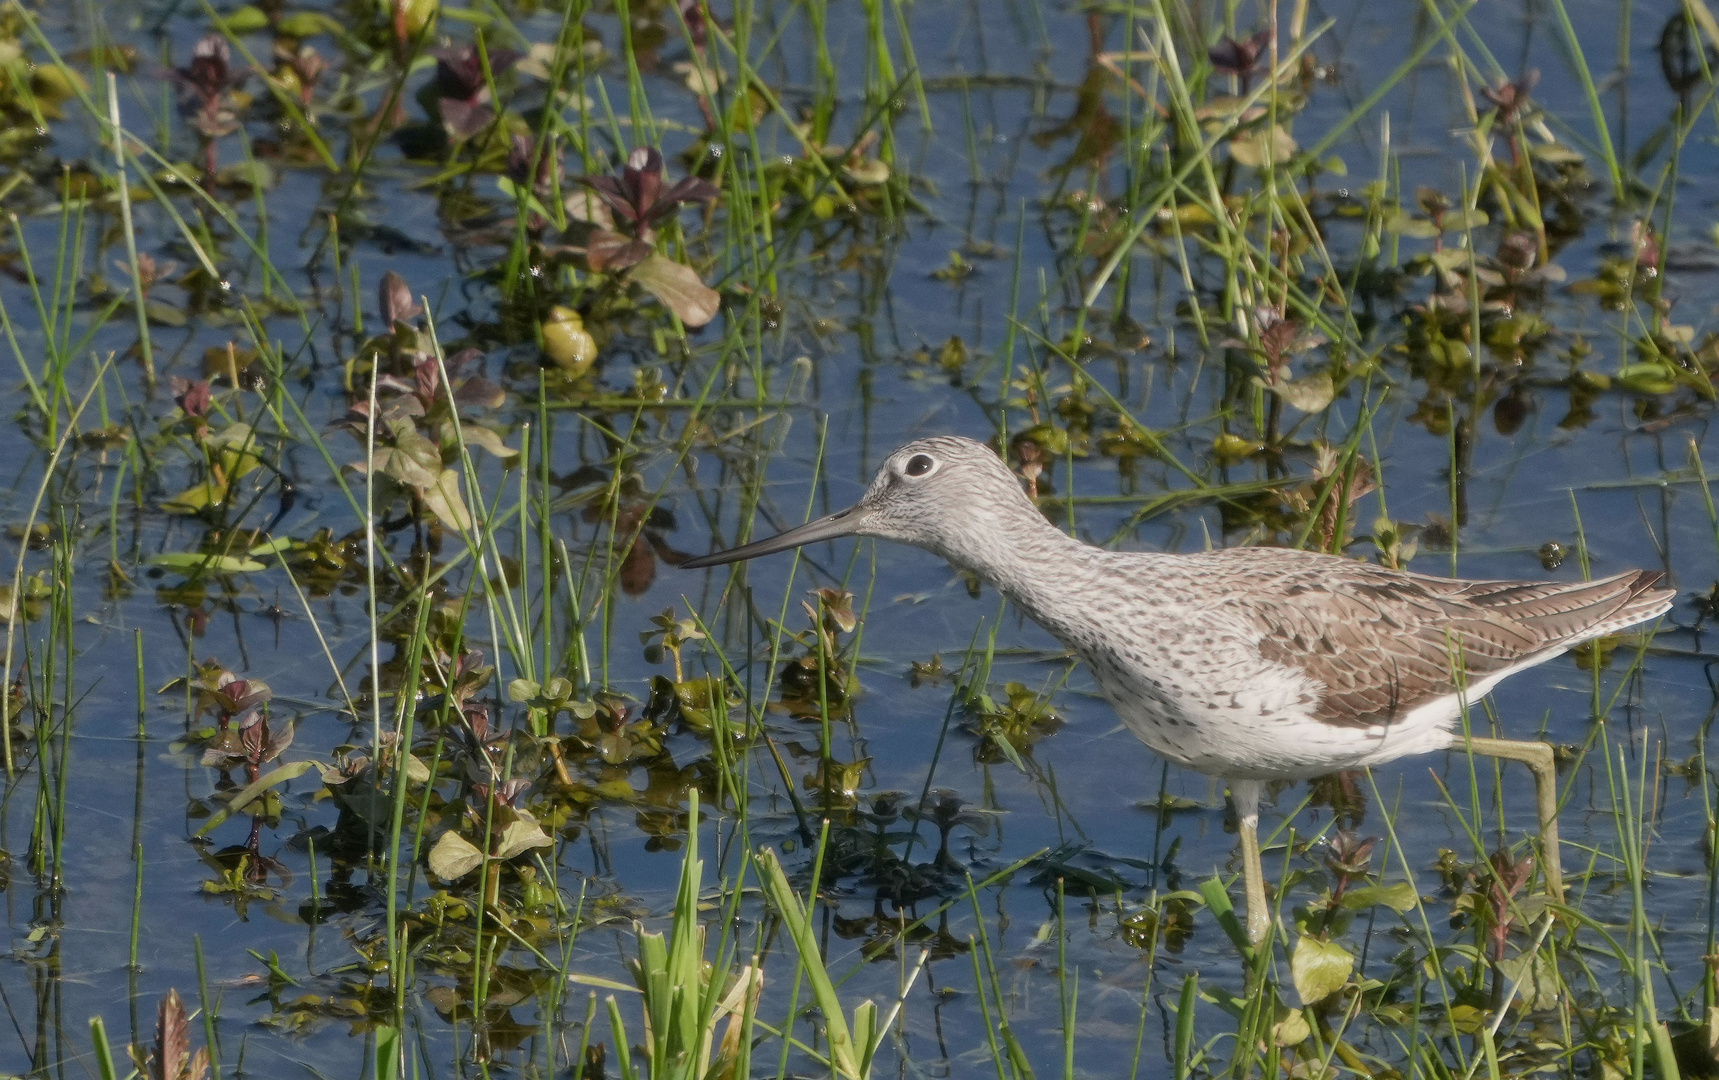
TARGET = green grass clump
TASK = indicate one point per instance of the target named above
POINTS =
(379, 361)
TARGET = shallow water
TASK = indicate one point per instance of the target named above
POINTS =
(859, 300)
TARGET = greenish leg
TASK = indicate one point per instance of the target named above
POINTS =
(1246, 796)
(1538, 757)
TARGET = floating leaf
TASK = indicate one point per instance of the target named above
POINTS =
(1310, 393)
(679, 288)
(162, 313)
(1319, 968)
(522, 690)
(1404, 224)
(1461, 220)
(866, 170)
(1535, 978)
(191, 562)
(402, 466)
(1252, 149)
(279, 543)
(1398, 897)
(454, 857)
(606, 250)
(245, 20)
(394, 300)
(1555, 154)
(195, 499)
(248, 174)
(1230, 447)
(1648, 378)
(308, 24)
(480, 393)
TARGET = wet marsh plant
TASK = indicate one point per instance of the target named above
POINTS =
(208, 99)
(439, 335)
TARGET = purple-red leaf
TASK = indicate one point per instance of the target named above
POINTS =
(464, 118)
(394, 300)
(606, 250)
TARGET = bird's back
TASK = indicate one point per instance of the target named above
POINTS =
(1384, 642)
(1264, 662)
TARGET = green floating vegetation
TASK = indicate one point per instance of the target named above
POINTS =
(379, 362)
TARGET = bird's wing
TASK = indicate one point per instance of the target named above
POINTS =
(1382, 642)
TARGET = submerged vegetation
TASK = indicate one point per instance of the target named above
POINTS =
(379, 360)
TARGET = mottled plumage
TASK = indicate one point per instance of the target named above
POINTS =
(1253, 664)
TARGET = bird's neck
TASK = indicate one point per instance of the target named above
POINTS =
(1040, 569)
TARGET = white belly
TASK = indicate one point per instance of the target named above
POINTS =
(1266, 729)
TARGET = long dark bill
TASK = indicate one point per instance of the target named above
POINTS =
(845, 523)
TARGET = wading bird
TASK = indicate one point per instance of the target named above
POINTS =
(1252, 664)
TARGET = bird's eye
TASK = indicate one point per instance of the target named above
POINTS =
(919, 464)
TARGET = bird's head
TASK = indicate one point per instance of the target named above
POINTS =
(949, 495)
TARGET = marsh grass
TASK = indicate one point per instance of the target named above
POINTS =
(481, 709)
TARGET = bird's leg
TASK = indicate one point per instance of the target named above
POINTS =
(1246, 796)
(1538, 757)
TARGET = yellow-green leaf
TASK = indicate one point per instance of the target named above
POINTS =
(1319, 968)
(520, 836)
(454, 857)
(195, 561)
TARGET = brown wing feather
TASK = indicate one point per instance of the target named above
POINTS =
(1382, 642)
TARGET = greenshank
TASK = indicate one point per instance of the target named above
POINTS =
(1252, 664)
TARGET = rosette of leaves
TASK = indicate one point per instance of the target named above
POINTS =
(217, 690)
(608, 730)
(417, 468)
(620, 215)
(667, 637)
(208, 95)
(466, 678)
(459, 98)
(171, 1058)
(298, 68)
(1036, 448)
(228, 452)
(357, 780)
(1436, 218)
(1348, 858)
(533, 176)
(151, 273)
(419, 426)
(837, 783)
(1010, 728)
(822, 676)
(249, 741)
(1243, 58)
(1277, 340)
(26, 604)
(479, 747)
(1333, 491)
(499, 829)
(696, 701)
(322, 561)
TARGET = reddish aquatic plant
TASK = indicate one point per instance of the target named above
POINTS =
(206, 100)
(639, 203)
(394, 301)
(462, 88)
(1243, 59)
